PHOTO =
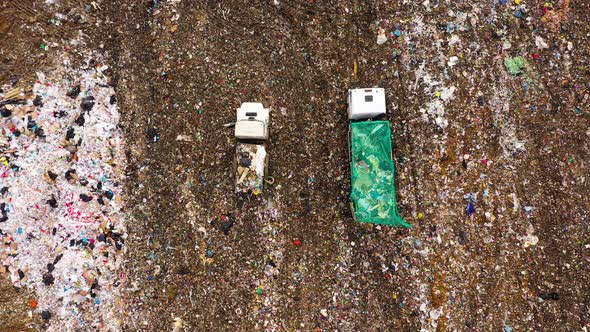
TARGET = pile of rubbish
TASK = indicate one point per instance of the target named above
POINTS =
(251, 163)
(61, 173)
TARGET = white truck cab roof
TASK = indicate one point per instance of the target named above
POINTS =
(252, 122)
(366, 103)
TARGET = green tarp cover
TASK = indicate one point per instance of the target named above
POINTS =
(373, 174)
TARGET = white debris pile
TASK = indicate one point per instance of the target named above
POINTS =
(61, 172)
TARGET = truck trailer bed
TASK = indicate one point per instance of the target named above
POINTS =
(251, 162)
(373, 174)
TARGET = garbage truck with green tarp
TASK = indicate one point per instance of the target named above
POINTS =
(372, 197)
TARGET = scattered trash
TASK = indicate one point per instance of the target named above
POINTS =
(453, 61)
(540, 42)
(184, 138)
(470, 208)
(50, 195)
(153, 135)
(471, 198)
(381, 37)
(46, 315)
(529, 240)
(549, 296)
(515, 66)
(519, 13)
(228, 222)
(178, 325)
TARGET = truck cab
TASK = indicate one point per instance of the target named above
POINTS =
(365, 104)
(252, 122)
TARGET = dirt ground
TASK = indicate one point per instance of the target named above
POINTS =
(463, 128)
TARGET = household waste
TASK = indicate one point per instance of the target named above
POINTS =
(62, 227)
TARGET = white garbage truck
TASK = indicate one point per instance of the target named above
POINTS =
(372, 170)
(251, 131)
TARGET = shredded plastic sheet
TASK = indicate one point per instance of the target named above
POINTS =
(373, 174)
(62, 198)
(259, 159)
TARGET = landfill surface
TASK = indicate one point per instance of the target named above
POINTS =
(489, 106)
